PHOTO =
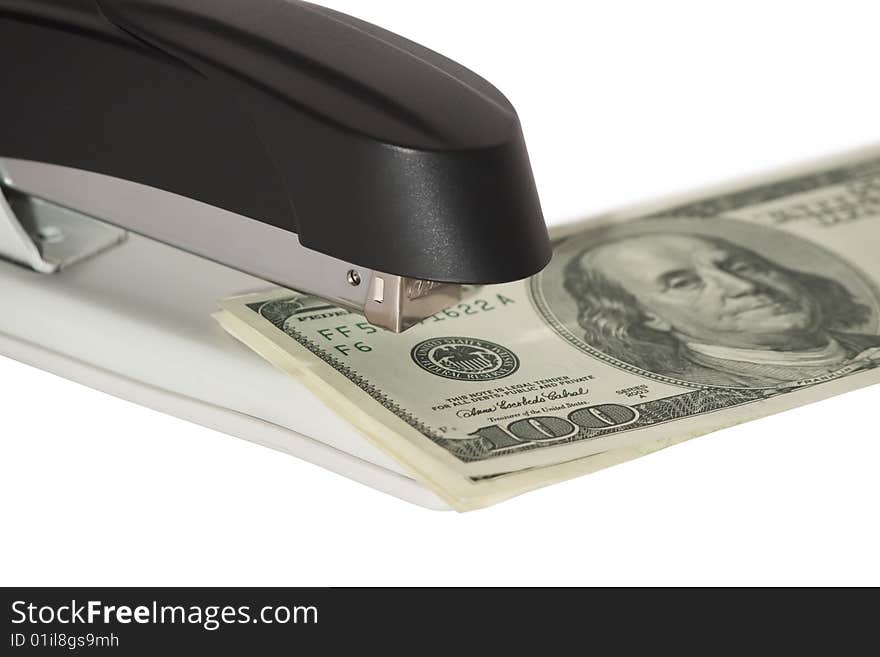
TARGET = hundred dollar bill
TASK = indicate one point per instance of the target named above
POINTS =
(646, 329)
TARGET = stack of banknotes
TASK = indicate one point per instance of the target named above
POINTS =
(646, 329)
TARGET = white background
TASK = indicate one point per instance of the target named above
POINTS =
(621, 102)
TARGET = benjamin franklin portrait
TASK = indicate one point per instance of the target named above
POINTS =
(705, 307)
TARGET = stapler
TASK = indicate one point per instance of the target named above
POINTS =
(157, 155)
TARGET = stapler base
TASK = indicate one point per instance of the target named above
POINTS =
(137, 324)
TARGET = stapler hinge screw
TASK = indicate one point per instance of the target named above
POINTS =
(50, 234)
(354, 278)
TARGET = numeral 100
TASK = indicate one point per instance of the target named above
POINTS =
(536, 429)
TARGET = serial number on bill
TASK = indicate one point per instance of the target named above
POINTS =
(473, 307)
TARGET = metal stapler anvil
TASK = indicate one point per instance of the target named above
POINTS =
(159, 155)
(277, 137)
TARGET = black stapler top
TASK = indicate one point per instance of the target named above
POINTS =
(288, 140)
